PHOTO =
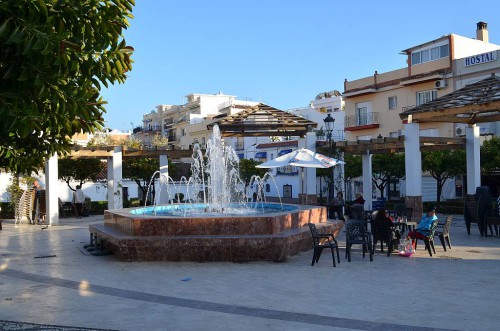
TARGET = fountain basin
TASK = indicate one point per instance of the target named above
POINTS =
(133, 236)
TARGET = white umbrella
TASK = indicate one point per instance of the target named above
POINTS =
(303, 158)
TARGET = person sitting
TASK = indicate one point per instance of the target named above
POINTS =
(338, 206)
(359, 200)
(384, 230)
(357, 208)
(423, 229)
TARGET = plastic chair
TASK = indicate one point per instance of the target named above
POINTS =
(356, 233)
(443, 232)
(429, 240)
(384, 232)
(322, 241)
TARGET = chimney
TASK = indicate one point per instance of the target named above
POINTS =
(482, 31)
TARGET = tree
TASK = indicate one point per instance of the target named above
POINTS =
(55, 56)
(353, 167)
(141, 171)
(490, 155)
(248, 169)
(387, 167)
(443, 165)
(81, 170)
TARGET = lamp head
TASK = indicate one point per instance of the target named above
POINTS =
(329, 122)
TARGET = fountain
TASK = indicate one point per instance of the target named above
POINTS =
(219, 225)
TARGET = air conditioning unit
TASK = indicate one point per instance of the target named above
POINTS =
(460, 131)
(440, 83)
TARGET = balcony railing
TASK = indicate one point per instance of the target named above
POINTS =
(353, 121)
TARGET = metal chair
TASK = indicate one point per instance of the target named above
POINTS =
(356, 233)
(322, 241)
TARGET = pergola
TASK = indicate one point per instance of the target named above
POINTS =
(114, 156)
(475, 103)
(262, 120)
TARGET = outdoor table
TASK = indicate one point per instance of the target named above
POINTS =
(410, 225)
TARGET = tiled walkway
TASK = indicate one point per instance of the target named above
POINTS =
(47, 279)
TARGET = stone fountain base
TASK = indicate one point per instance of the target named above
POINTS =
(271, 237)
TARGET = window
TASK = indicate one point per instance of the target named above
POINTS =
(362, 115)
(426, 96)
(336, 109)
(424, 56)
(415, 58)
(430, 54)
(393, 134)
(393, 102)
(203, 141)
(183, 132)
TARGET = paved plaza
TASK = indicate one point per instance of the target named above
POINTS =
(49, 282)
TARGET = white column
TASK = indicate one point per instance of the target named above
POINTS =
(115, 179)
(413, 160)
(51, 197)
(311, 172)
(163, 198)
(367, 179)
(472, 149)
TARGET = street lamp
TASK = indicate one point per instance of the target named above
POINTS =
(329, 122)
(246, 150)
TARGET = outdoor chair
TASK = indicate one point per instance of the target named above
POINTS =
(356, 212)
(356, 233)
(322, 241)
(429, 240)
(492, 218)
(383, 232)
(443, 232)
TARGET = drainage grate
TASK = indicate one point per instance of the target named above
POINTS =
(44, 256)
(450, 257)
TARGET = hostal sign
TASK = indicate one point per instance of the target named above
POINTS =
(481, 58)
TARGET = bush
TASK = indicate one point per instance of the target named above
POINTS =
(98, 207)
(7, 210)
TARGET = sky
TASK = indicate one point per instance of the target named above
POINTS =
(280, 52)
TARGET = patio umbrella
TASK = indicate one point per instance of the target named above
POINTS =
(303, 158)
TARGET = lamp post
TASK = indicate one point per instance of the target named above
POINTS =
(329, 122)
(246, 150)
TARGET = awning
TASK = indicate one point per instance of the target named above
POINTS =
(261, 155)
(284, 151)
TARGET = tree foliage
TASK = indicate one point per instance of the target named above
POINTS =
(141, 171)
(353, 167)
(490, 155)
(55, 57)
(81, 170)
(248, 169)
(387, 167)
(443, 165)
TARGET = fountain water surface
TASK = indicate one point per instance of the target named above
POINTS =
(219, 226)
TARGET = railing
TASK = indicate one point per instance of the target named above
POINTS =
(361, 120)
(171, 138)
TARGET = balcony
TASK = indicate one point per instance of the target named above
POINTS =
(171, 138)
(361, 122)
